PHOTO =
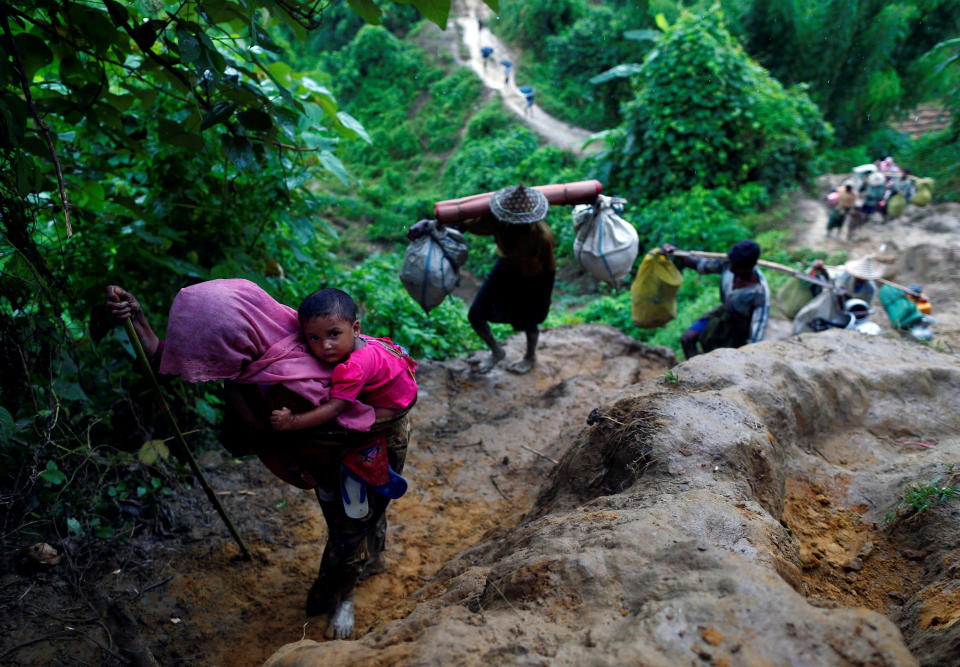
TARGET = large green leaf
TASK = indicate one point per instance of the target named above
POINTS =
(333, 164)
(34, 52)
(70, 391)
(152, 451)
(352, 123)
(256, 120)
(645, 35)
(435, 10)
(220, 113)
(617, 72)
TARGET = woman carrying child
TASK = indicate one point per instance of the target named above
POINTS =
(380, 374)
(232, 330)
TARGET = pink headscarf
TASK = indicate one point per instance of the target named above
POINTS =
(230, 329)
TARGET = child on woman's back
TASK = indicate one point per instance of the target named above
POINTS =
(371, 370)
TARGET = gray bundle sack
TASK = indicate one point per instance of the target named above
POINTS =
(606, 245)
(431, 266)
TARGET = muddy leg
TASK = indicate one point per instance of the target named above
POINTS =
(688, 341)
(343, 557)
(526, 364)
(482, 327)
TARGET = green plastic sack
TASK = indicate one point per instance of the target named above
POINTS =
(792, 297)
(653, 294)
(895, 205)
(925, 183)
(903, 312)
(922, 196)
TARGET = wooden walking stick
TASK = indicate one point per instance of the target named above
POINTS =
(178, 436)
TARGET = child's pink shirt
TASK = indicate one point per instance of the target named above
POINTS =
(375, 376)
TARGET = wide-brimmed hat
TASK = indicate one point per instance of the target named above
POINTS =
(865, 268)
(519, 205)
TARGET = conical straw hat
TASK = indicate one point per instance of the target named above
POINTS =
(519, 204)
(865, 268)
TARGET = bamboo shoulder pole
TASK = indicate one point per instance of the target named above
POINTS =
(773, 266)
(178, 436)
(788, 270)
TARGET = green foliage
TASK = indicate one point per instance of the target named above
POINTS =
(698, 218)
(526, 23)
(567, 60)
(918, 498)
(704, 114)
(861, 58)
(937, 156)
(387, 310)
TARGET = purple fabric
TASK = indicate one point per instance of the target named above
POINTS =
(231, 329)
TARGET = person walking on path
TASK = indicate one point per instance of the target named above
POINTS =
(507, 66)
(232, 330)
(741, 318)
(846, 200)
(517, 290)
(486, 52)
(527, 92)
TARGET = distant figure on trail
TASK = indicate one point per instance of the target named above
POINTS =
(873, 198)
(507, 66)
(486, 52)
(527, 92)
(904, 185)
(232, 330)
(741, 317)
(517, 290)
(846, 200)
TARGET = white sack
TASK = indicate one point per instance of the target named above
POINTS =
(606, 245)
(824, 311)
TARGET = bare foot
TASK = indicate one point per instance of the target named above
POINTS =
(496, 356)
(341, 623)
(522, 366)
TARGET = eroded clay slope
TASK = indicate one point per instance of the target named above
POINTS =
(725, 513)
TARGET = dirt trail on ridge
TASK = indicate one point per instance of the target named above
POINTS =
(554, 130)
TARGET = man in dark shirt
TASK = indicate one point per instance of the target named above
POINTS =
(741, 317)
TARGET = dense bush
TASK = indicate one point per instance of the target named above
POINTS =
(937, 156)
(526, 23)
(861, 58)
(705, 114)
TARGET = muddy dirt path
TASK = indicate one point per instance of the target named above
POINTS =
(481, 446)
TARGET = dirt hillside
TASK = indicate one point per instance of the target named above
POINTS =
(726, 510)
(728, 513)
(612, 507)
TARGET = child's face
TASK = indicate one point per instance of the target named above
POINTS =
(331, 339)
